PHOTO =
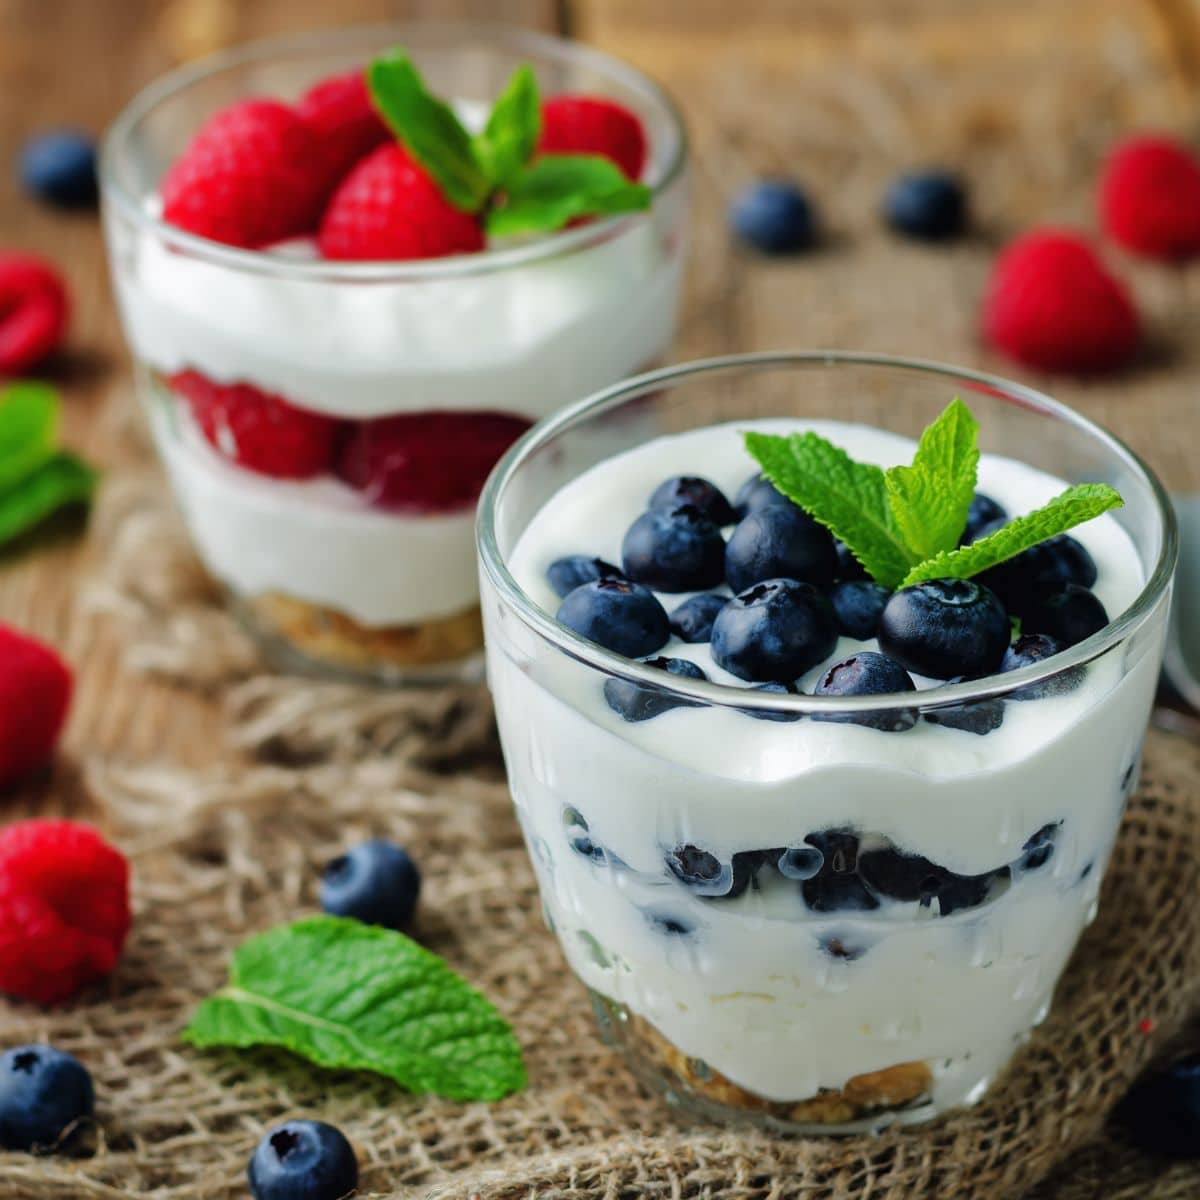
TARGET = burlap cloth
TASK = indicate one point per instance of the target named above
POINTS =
(221, 853)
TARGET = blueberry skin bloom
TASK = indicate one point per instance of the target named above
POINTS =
(693, 619)
(303, 1160)
(930, 205)
(375, 882)
(1032, 648)
(774, 631)
(858, 603)
(757, 492)
(868, 674)
(43, 1092)
(945, 628)
(1069, 613)
(635, 702)
(1057, 560)
(566, 574)
(780, 542)
(60, 168)
(984, 516)
(699, 493)
(623, 617)
(773, 216)
(674, 550)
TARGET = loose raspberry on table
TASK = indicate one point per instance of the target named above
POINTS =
(35, 694)
(1051, 303)
(258, 430)
(1150, 198)
(250, 176)
(427, 462)
(389, 208)
(33, 311)
(593, 125)
(344, 123)
(64, 909)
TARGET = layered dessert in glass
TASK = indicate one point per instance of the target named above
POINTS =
(333, 349)
(818, 846)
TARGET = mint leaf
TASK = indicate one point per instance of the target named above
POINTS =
(28, 430)
(849, 498)
(929, 500)
(430, 131)
(1073, 507)
(62, 481)
(557, 188)
(344, 994)
(511, 133)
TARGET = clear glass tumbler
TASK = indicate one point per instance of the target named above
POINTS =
(327, 574)
(803, 988)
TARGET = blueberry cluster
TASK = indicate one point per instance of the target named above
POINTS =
(795, 590)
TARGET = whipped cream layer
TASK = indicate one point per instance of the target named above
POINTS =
(749, 985)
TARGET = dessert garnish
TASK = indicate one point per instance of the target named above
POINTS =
(45, 1094)
(375, 882)
(36, 477)
(347, 995)
(904, 524)
(35, 694)
(34, 309)
(1149, 197)
(303, 1160)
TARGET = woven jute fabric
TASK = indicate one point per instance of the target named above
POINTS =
(224, 852)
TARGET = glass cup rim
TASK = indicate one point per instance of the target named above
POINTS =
(322, 42)
(726, 696)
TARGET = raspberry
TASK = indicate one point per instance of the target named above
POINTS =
(35, 694)
(388, 208)
(591, 125)
(249, 177)
(427, 462)
(64, 909)
(257, 430)
(345, 126)
(33, 311)
(1052, 304)
(1150, 198)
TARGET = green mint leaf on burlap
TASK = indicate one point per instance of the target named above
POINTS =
(511, 133)
(557, 188)
(849, 498)
(430, 131)
(58, 483)
(929, 500)
(1075, 506)
(347, 995)
(28, 430)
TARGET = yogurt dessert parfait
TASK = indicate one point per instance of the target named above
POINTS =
(352, 269)
(819, 733)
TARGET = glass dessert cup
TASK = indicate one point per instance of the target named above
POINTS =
(796, 984)
(328, 576)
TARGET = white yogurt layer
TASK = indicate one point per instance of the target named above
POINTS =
(751, 987)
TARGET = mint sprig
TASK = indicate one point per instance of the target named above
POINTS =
(495, 174)
(346, 995)
(904, 524)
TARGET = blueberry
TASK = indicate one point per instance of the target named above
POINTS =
(776, 630)
(774, 216)
(60, 168)
(674, 550)
(1162, 1112)
(699, 493)
(858, 604)
(912, 877)
(1033, 648)
(1055, 561)
(576, 829)
(1069, 613)
(375, 882)
(868, 674)
(979, 716)
(944, 628)
(1039, 847)
(708, 876)
(848, 567)
(566, 574)
(969, 891)
(303, 1160)
(636, 702)
(798, 862)
(756, 493)
(840, 947)
(623, 617)
(984, 514)
(772, 714)
(779, 542)
(670, 923)
(43, 1093)
(692, 621)
(836, 886)
(930, 205)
